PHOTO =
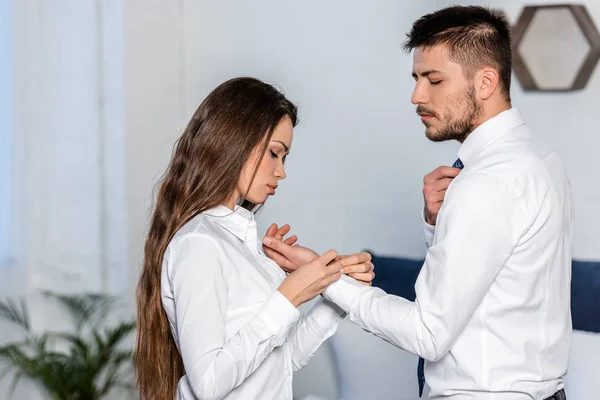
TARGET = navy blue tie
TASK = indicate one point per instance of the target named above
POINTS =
(421, 366)
(458, 164)
(421, 375)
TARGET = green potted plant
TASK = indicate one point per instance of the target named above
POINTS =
(85, 363)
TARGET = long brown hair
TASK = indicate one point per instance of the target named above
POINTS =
(206, 164)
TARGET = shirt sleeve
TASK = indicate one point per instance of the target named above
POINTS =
(215, 365)
(480, 224)
(428, 231)
(312, 330)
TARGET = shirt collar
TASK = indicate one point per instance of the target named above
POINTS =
(237, 221)
(488, 132)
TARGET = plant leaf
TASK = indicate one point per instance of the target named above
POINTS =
(87, 308)
(15, 381)
(87, 364)
(15, 313)
(115, 335)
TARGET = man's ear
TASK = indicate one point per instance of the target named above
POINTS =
(488, 82)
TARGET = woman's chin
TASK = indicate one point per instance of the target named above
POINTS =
(257, 199)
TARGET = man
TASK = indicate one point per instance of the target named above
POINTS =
(492, 310)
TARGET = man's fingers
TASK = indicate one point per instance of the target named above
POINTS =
(437, 187)
(359, 268)
(442, 184)
(356, 259)
(363, 276)
(447, 172)
(434, 201)
(453, 172)
(440, 173)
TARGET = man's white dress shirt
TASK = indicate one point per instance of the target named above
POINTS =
(238, 336)
(492, 310)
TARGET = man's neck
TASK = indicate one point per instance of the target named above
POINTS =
(493, 110)
(489, 111)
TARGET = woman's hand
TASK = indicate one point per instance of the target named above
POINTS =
(310, 280)
(289, 255)
(296, 255)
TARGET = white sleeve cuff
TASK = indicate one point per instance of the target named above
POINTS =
(326, 314)
(428, 231)
(278, 315)
(343, 291)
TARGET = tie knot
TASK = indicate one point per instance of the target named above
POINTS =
(458, 164)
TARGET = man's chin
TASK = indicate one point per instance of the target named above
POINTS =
(431, 134)
(435, 135)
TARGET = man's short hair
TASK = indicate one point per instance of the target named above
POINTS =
(475, 37)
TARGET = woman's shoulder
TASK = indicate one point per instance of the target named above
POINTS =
(194, 243)
(199, 229)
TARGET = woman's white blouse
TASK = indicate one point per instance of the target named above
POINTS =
(238, 336)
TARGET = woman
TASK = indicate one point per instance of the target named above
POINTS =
(217, 318)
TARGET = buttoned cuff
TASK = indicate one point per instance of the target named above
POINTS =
(325, 314)
(428, 230)
(278, 315)
(343, 291)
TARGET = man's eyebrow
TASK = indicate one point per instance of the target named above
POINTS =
(426, 73)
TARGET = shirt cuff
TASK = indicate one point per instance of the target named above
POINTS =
(326, 313)
(343, 291)
(278, 315)
(428, 230)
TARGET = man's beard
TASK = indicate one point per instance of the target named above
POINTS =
(457, 129)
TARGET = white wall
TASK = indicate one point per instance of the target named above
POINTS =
(67, 156)
(359, 153)
(68, 150)
(153, 103)
(102, 82)
(6, 126)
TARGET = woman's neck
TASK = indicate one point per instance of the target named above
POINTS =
(232, 201)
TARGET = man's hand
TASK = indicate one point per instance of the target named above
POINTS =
(290, 257)
(435, 184)
(359, 267)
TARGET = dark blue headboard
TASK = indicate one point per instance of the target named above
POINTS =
(398, 275)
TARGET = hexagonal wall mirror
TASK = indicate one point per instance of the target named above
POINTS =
(555, 47)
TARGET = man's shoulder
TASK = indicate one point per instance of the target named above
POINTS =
(512, 155)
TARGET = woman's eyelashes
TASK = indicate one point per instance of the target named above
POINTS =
(276, 156)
